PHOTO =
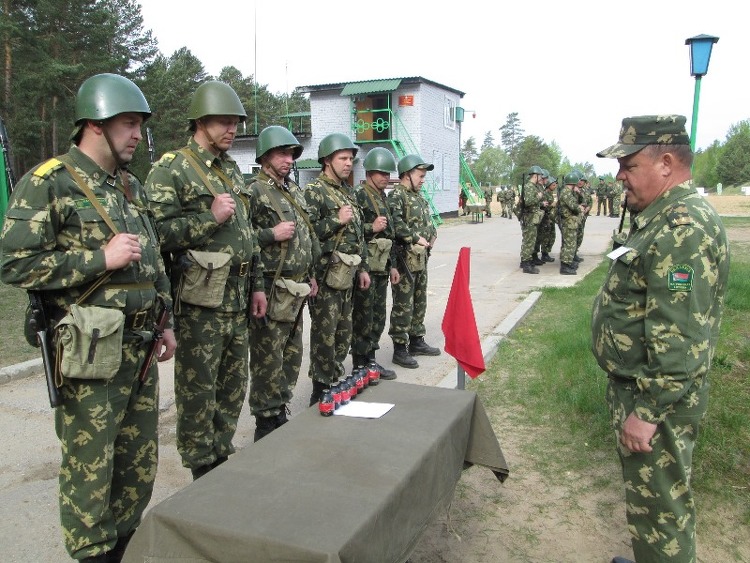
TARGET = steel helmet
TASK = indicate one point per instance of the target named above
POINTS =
(552, 180)
(275, 136)
(335, 142)
(535, 170)
(571, 178)
(412, 161)
(545, 173)
(215, 98)
(381, 160)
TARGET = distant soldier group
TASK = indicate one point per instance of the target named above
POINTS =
(229, 265)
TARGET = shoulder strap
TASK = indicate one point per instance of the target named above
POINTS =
(194, 163)
(284, 244)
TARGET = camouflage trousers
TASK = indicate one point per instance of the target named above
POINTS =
(275, 361)
(409, 308)
(368, 315)
(529, 229)
(108, 436)
(569, 235)
(210, 381)
(658, 495)
(581, 228)
(601, 202)
(330, 333)
(545, 237)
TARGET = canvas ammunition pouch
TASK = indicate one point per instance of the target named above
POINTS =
(204, 280)
(341, 269)
(378, 250)
(89, 342)
(416, 258)
(287, 297)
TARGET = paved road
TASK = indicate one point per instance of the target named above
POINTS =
(29, 529)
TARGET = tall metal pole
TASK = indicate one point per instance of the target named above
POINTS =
(696, 100)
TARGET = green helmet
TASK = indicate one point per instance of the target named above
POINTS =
(551, 180)
(335, 142)
(535, 170)
(215, 98)
(412, 161)
(545, 173)
(380, 160)
(571, 178)
(275, 136)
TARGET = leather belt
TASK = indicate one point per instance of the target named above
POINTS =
(138, 320)
(240, 270)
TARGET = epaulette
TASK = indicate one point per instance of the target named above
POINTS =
(679, 216)
(46, 168)
(166, 159)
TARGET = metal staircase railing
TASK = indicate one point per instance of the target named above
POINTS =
(469, 185)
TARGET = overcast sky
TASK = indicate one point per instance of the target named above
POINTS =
(571, 70)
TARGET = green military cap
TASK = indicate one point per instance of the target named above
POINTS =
(643, 130)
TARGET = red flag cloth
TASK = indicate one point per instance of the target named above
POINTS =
(459, 323)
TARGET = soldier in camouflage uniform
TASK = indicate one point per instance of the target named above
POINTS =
(487, 190)
(601, 197)
(289, 249)
(508, 199)
(546, 232)
(339, 225)
(201, 205)
(530, 215)
(655, 325)
(412, 221)
(612, 198)
(587, 201)
(570, 211)
(368, 315)
(57, 242)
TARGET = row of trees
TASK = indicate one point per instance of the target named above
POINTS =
(727, 163)
(51, 46)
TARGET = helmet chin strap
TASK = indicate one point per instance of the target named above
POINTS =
(121, 167)
(211, 141)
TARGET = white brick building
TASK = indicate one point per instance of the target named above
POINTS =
(404, 115)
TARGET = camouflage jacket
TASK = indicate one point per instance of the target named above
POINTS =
(267, 200)
(568, 204)
(181, 203)
(411, 215)
(53, 237)
(532, 198)
(656, 319)
(373, 204)
(324, 199)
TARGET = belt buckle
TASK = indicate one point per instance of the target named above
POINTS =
(139, 319)
(243, 269)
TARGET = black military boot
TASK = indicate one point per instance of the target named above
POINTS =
(546, 257)
(219, 460)
(358, 361)
(577, 258)
(116, 555)
(199, 472)
(264, 425)
(317, 391)
(418, 347)
(529, 268)
(536, 261)
(101, 558)
(402, 357)
(567, 269)
(387, 374)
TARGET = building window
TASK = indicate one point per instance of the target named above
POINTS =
(449, 113)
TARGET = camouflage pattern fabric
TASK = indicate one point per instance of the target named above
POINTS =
(411, 219)
(276, 347)
(369, 312)
(601, 198)
(210, 382)
(570, 214)
(487, 200)
(546, 230)
(655, 324)
(331, 312)
(508, 199)
(212, 343)
(531, 216)
(587, 201)
(52, 241)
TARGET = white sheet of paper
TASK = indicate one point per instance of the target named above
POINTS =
(617, 252)
(362, 409)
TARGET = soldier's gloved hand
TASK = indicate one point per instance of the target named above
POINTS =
(223, 207)
(121, 250)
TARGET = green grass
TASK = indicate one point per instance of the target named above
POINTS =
(12, 307)
(545, 375)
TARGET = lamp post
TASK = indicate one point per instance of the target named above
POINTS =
(700, 55)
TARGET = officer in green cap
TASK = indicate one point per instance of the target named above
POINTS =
(654, 329)
(289, 249)
(416, 234)
(343, 264)
(369, 311)
(78, 231)
(530, 214)
(202, 210)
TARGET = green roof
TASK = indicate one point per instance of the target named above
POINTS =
(307, 163)
(298, 114)
(371, 87)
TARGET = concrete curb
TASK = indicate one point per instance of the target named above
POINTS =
(491, 343)
(19, 371)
